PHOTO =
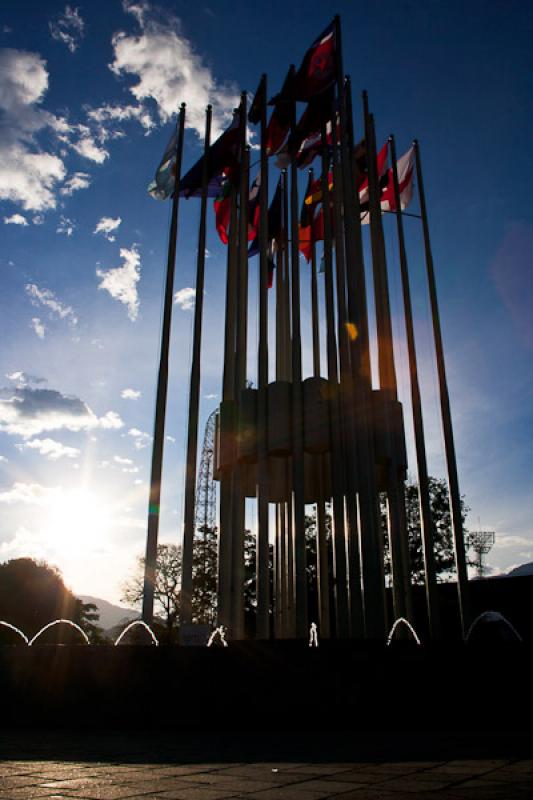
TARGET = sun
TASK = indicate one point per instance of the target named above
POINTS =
(77, 520)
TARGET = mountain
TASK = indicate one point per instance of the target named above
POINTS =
(523, 569)
(110, 614)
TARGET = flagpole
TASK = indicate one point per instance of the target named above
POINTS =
(348, 437)
(322, 544)
(194, 396)
(298, 531)
(161, 397)
(314, 300)
(263, 583)
(227, 427)
(337, 476)
(426, 521)
(449, 445)
(239, 499)
(371, 546)
(388, 387)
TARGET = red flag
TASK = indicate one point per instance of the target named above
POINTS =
(319, 67)
(222, 206)
(404, 168)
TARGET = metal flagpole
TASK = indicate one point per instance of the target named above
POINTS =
(263, 582)
(371, 546)
(298, 517)
(449, 445)
(321, 538)
(194, 397)
(337, 476)
(228, 426)
(426, 521)
(388, 385)
(239, 498)
(347, 407)
(161, 397)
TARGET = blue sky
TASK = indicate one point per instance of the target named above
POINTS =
(87, 94)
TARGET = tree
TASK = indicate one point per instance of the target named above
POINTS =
(204, 575)
(443, 538)
(32, 594)
(166, 589)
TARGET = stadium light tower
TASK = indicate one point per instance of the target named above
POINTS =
(481, 542)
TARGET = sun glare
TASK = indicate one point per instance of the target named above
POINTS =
(77, 519)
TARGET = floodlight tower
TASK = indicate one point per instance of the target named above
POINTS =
(205, 511)
(481, 543)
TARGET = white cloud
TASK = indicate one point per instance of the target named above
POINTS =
(87, 147)
(211, 396)
(32, 494)
(125, 462)
(106, 226)
(121, 282)
(22, 378)
(38, 219)
(502, 541)
(169, 71)
(68, 28)
(66, 226)
(170, 439)
(46, 298)
(38, 327)
(27, 412)
(130, 394)
(28, 174)
(140, 439)
(50, 448)
(77, 181)
(16, 219)
(184, 298)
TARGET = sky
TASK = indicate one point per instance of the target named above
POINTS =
(88, 96)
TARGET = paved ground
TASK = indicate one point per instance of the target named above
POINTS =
(501, 779)
(218, 764)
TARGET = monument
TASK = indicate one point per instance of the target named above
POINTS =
(335, 435)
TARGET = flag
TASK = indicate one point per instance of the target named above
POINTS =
(404, 168)
(162, 187)
(381, 170)
(318, 70)
(222, 206)
(305, 225)
(312, 146)
(275, 231)
(313, 194)
(280, 120)
(259, 101)
(223, 160)
(317, 113)
(253, 207)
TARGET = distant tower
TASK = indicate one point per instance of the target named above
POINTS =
(205, 532)
(481, 542)
(206, 497)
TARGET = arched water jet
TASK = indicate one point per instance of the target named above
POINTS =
(219, 632)
(313, 635)
(493, 617)
(402, 621)
(14, 628)
(138, 623)
(59, 622)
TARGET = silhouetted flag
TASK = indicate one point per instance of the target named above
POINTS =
(162, 187)
(280, 120)
(317, 112)
(254, 114)
(223, 161)
(275, 230)
(318, 70)
(222, 206)
(253, 207)
(405, 168)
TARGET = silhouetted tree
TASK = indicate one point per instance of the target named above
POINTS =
(166, 589)
(32, 594)
(443, 539)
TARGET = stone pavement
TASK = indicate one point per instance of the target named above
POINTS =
(485, 779)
